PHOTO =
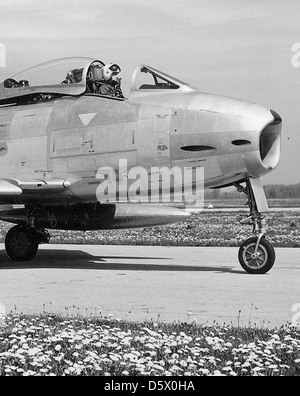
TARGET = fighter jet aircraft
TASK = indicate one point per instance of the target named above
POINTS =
(57, 130)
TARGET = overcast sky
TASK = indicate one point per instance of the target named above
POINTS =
(240, 48)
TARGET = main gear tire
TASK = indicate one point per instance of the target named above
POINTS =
(20, 244)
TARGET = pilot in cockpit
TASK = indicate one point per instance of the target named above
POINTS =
(104, 81)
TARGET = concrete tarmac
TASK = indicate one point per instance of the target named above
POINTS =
(151, 283)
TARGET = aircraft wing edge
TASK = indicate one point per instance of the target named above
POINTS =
(9, 189)
(16, 187)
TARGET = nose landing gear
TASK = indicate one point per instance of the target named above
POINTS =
(256, 255)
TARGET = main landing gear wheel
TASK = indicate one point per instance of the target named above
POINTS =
(21, 244)
(257, 257)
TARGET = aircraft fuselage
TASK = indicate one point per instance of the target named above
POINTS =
(72, 137)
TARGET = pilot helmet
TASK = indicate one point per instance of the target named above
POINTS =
(110, 71)
(23, 83)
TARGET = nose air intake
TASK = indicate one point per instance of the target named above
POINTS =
(270, 139)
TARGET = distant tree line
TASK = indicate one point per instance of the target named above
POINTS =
(282, 191)
(276, 191)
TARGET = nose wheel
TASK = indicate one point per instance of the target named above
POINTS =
(256, 255)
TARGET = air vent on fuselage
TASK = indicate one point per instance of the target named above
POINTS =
(197, 148)
(241, 142)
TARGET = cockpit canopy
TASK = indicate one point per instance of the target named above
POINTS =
(66, 76)
(75, 77)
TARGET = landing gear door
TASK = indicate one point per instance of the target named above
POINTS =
(260, 195)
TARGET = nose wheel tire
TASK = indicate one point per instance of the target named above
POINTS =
(257, 261)
(20, 244)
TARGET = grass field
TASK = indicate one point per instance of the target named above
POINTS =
(202, 229)
(55, 346)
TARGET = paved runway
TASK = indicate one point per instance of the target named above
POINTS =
(158, 283)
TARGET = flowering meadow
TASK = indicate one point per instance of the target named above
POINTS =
(48, 345)
(202, 229)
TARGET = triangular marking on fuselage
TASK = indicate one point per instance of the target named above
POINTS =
(87, 118)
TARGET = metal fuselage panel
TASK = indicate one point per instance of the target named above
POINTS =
(73, 137)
